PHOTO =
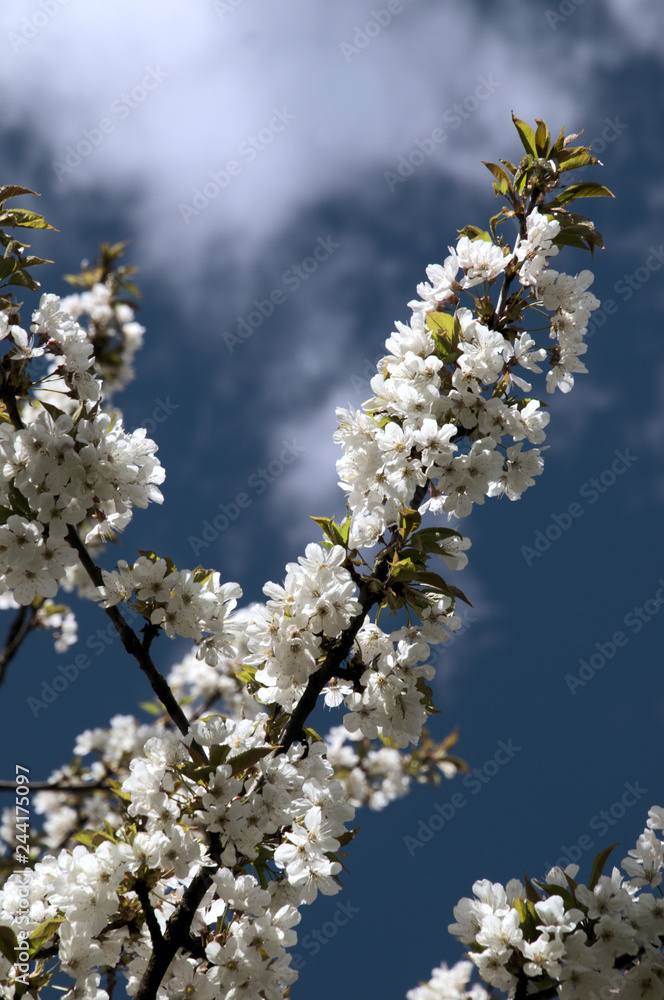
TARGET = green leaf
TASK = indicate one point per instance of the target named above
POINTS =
(325, 523)
(248, 758)
(582, 234)
(410, 519)
(598, 865)
(26, 220)
(526, 135)
(149, 554)
(43, 933)
(579, 158)
(527, 917)
(475, 233)
(340, 532)
(19, 503)
(431, 539)
(542, 139)
(497, 219)
(558, 890)
(427, 699)
(150, 707)
(584, 190)
(520, 907)
(438, 533)
(502, 177)
(433, 581)
(312, 735)
(246, 675)
(93, 838)
(532, 895)
(440, 322)
(52, 410)
(24, 279)
(33, 261)
(410, 573)
(8, 944)
(201, 574)
(7, 266)
(13, 191)
(218, 755)
(559, 143)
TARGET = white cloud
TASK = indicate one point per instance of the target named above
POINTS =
(353, 116)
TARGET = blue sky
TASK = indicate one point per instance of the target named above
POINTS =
(303, 114)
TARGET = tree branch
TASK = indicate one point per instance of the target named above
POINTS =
(55, 786)
(22, 624)
(138, 650)
(143, 893)
(177, 928)
(342, 646)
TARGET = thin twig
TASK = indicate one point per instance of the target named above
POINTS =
(53, 786)
(138, 650)
(22, 624)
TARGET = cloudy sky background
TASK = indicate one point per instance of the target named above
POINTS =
(353, 100)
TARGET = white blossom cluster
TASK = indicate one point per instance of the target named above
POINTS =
(259, 823)
(409, 436)
(590, 943)
(181, 602)
(60, 470)
(390, 703)
(286, 639)
(113, 322)
(374, 775)
(449, 984)
(287, 804)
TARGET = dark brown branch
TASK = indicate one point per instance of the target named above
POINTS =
(143, 893)
(22, 624)
(330, 668)
(8, 397)
(177, 928)
(138, 649)
(53, 786)
(342, 646)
